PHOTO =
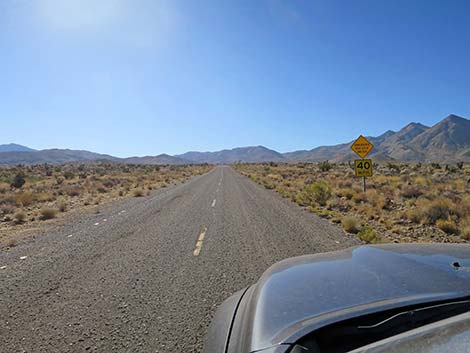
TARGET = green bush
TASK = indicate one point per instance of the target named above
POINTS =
(367, 234)
(18, 181)
(319, 192)
(324, 166)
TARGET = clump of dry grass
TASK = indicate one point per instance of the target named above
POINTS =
(24, 199)
(411, 191)
(360, 197)
(138, 193)
(465, 229)
(438, 209)
(73, 190)
(447, 225)
(20, 217)
(62, 206)
(10, 243)
(350, 224)
(48, 213)
(346, 193)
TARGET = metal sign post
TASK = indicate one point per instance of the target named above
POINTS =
(362, 167)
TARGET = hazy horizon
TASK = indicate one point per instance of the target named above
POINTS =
(133, 78)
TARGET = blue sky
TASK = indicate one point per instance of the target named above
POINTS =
(138, 77)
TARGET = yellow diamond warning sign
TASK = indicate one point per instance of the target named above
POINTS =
(362, 146)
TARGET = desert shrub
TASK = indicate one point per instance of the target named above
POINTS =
(18, 181)
(414, 215)
(450, 168)
(438, 209)
(411, 191)
(7, 209)
(73, 190)
(460, 165)
(59, 180)
(44, 197)
(367, 234)
(138, 193)
(393, 167)
(360, 197)
(62, 206)
(268, 185)
(48, 213)
(344, 183)
(20, 217)
(350, 224)
(465, 233)
(347, 193)
(447, 225)
(460, 185)
(4, 187)
(465, 228)
(110, 183)
(464, 207)
(319, 192)
(101, 188)
(421, 181)
(68, 174)
(24, 199)
(8, 199)
(324, 166)
(377, 200)
(97, 200)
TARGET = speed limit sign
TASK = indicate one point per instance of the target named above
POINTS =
(363, 167)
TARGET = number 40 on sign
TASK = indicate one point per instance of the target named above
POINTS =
(363, 167)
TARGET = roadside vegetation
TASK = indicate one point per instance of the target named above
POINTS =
(402, 203)
(30, 195)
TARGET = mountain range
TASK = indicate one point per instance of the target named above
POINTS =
(446, 141)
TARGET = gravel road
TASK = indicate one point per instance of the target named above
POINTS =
(135, 278)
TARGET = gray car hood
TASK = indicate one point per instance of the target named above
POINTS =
(298, 295)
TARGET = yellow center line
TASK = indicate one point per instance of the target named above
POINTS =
(200, 239)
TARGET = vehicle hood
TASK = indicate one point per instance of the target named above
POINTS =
(298, 295)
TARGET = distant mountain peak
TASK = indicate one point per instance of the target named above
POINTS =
(416, 125)
(455, 119)
(239, 154)
(14, 147)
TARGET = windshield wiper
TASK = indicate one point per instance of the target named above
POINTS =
(421, 314)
